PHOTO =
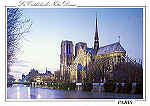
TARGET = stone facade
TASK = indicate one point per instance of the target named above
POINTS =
(108, 56)
(66, 58)
(79, 66)
(78, 45)
(115, 52)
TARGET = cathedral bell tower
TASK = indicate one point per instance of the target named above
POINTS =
(96, 39)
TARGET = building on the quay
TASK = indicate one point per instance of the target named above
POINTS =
(10, 78)
(35, 76)
(43, 77)
(78, 65)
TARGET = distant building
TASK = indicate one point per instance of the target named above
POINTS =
(30, 76)
(48, 72)
(43, 77)
(33, 72)
(35, 76)
(10, 78)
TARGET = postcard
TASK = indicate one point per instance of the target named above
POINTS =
(60, 50)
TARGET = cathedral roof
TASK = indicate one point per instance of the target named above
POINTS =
(91, 51)
(80, 67)
(115, 47)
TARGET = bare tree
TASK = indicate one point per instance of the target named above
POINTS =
(97, 70)
(17, 26)
(127, 71)
(122, 71)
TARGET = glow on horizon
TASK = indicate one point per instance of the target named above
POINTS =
(52, 25)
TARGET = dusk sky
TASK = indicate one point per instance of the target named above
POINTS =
(41, 48)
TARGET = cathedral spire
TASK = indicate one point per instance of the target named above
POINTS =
(46, 69)
(96, 39)
(96, 24)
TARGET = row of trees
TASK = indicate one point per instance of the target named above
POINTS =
(96, 70)
(104, 69)
(128, 71)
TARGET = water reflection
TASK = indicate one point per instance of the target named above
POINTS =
(38, 96)
(28, 92)
(33, 93)
(18, 92)
(25, 92)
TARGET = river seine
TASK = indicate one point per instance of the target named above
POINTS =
(19, 91)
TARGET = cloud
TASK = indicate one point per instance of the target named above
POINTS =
(15, 71)
(21, 63)
(19, 67)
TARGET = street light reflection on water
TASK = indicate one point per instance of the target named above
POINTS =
(25, 92)
(38, 95)
(18, 92)
(28, 93)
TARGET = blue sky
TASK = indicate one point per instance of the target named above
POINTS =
(41, 48)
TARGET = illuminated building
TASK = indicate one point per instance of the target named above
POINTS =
(76, 68)
(78, 45)
(66, 58)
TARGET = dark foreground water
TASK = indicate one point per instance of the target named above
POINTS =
(23, 92)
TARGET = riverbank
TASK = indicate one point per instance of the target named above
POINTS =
(109, 86)
(19, 91)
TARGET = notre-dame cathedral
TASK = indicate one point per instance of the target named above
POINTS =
(74, 68)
